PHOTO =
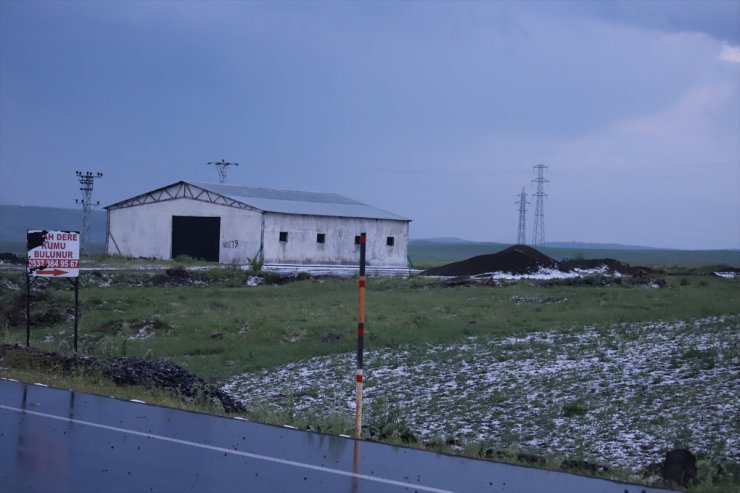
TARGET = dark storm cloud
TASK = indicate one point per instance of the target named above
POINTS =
(439, 109)
(718, 19)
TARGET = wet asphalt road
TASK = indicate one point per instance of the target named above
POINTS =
(54, 440)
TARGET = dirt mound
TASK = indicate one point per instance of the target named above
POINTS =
(611, 264)
(11, 258)
(16, 356)
(518, 259)
(164, 374)
(158, 373)
(523, 259)
(45, 310)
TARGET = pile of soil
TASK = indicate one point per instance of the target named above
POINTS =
(518, 259)
(164, 374)
(152, 374)
(523, 259)
(11, 258)
(45, 310)
(16, 356)
(611, 264)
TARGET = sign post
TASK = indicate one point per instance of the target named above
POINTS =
(52, 254)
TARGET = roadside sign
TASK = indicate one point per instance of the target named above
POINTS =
(53, 253)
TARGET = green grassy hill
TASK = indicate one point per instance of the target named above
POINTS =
(15, 220)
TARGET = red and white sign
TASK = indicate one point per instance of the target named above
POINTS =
(53, 253)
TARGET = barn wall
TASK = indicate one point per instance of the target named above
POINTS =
(301, 246)
(146, 230)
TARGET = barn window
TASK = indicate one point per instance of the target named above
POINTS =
(357, 240)
(320, 238)
(284, 236)
(390, 241)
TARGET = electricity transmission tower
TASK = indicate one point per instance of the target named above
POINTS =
(87, 180)
(539, 206)
(221, 166)
(521, 237)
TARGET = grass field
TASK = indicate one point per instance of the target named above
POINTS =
(657, 367)
(218, 326)
(617, 394)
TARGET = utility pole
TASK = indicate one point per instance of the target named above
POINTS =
(221, 166)
(539, 207)
(521, 237)
(87, 180)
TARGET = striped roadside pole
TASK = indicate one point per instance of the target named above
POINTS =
(360, 338)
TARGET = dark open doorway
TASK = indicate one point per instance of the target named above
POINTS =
(196, 237)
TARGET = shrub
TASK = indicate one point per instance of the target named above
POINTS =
(574, 408)
(256, 263)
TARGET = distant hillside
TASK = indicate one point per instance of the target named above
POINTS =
(15, 220)
(445, 239)
(430, 253)
(594, 246)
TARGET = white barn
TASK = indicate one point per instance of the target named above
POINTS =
(234, 224)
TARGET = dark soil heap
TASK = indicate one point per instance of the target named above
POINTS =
(151, 374)
(611, 264)
(523, 259)
(518, 259)
(11, 258)
(164, 374)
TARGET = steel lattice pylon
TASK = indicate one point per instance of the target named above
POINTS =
(539, 206)
(521, 236)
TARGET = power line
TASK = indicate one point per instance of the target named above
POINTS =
(624, 221)
(221, 166)
(539, 208)
(521, 237)
(87, 180)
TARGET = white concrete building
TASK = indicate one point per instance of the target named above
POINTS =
(233, 224)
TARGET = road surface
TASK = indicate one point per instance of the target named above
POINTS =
(54, 440)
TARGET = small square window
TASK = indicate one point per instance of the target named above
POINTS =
(320, 238)
(284, 236)
(357, 240)
(390, 241)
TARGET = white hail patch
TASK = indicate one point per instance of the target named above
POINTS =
(145, 332)
(727, 275)
(620, 395)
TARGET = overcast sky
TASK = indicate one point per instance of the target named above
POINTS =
(436, 111)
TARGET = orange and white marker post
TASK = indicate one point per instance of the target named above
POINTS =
(360, 338)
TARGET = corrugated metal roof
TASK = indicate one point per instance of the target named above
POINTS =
(298, 202)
